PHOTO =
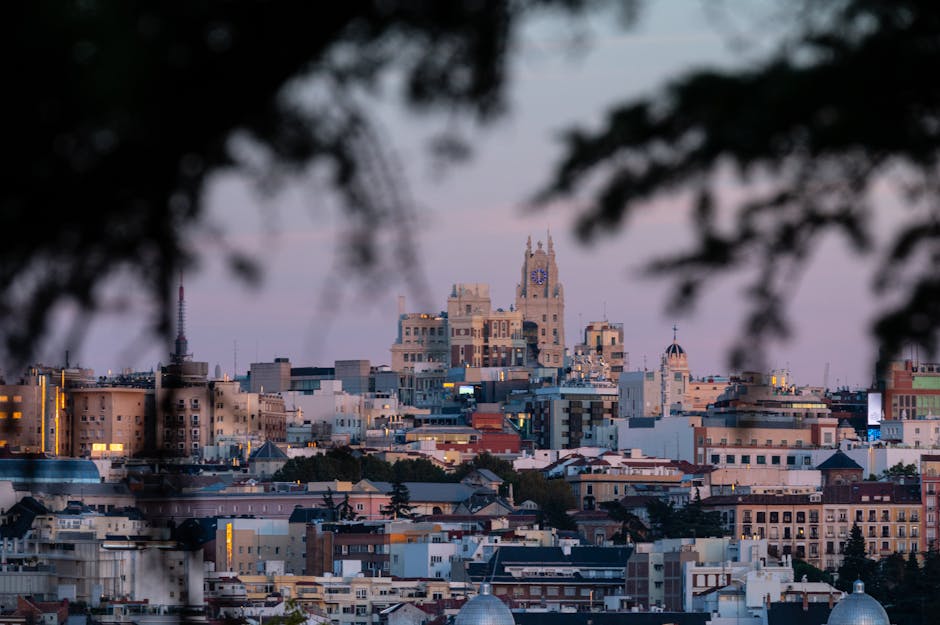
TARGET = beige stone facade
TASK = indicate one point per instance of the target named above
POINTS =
(815, 527)
(601, 355)
(422, 338)
(479, 335)
(540, 297)
(110, 421)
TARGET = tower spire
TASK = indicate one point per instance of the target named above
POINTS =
(182, 345)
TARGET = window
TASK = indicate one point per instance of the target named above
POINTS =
(761, 459)
(746, 459)
(761, 517)
(774, 517)
(775, 460)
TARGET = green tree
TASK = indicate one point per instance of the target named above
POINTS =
(553, 496)
(855, 562)
(900, 470)
(802, 567)
(293, 615)
(418, 470)
(344, 511)
(328, 502)
(399, 504)
(691, 521)
(632, 528)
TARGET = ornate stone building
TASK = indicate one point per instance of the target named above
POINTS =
(541, 299)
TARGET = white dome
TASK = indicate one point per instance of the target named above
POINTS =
(858, 608)
(484, 609)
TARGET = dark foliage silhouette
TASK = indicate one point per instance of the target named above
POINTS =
(847, 102)
(123, 111)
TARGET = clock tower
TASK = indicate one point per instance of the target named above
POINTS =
(540, 298)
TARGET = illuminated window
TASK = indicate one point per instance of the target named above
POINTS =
(17, 414)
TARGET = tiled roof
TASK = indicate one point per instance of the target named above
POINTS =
(268, 451)
(839, 460)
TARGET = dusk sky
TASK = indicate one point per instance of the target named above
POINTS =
(473, 229)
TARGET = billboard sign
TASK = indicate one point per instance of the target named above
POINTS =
(874, 409)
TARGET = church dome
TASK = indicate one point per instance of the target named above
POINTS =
(858, 608)
(485, 609)
(675, 350)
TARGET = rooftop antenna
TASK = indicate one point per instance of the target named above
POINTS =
(182, 345)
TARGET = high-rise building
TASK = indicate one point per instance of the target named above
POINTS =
(110, 420)
(33, 412)
(911, 390)
(601, 355)
(422, 338)
(540, 298)
(182, 398)
(479, 335)
(270, 377)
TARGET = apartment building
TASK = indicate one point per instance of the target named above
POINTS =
(930, 499)
(556, 578)
(344, 600)
(814, 527)
(911, 390)
(479, 335)
(110, 421)
(601, 355)
(251, 545)
(567, 417)
(34, 413)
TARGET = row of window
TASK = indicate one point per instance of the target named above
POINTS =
(760, 459)
(813, 515)
(798, 443)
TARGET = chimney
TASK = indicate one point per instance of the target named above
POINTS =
(830, 601)
(767, 600)
(805, 601)
(401, 305)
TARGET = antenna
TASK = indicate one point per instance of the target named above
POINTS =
(826, 377)
(182, 346)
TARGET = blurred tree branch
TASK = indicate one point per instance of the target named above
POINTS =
(117, 114)
(849, 98)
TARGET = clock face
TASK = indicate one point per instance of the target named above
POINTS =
(539, 276)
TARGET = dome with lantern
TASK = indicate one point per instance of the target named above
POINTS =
(858, 608)
(484, 609)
